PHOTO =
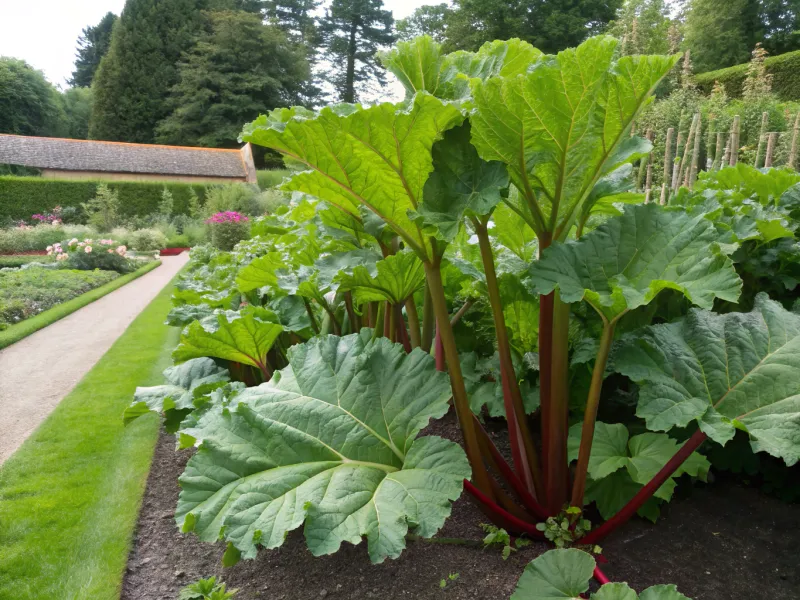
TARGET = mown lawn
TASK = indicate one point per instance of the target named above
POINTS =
(69, 497)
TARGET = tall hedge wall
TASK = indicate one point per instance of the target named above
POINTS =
(784, 68)
(21, 197)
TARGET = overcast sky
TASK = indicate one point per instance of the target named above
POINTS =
(45, 32)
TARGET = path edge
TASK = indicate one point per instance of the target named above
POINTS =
(23, 329)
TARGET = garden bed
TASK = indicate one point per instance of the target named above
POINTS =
(718, 542)
(17, 331)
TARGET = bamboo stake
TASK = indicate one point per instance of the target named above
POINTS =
(727, 155)
(793, 151)
(643, 163)
(693, 131)
(691, 174)
(667, 161)
(717, 152)
(773, 137)
(676, 163)
(710, 142)
(648, 181)
(762, 137)
(734, 143)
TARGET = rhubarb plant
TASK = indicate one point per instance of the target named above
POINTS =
(485, 226)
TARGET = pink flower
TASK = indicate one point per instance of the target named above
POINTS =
(88, 249)
(121, 250)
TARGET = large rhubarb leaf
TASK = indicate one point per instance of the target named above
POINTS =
(243, 337)
(331, 441)
(185, 383)
(738, 370)
(462, 184)
(396, 278)
(420, 65)
(627, 261)
(641, 457)
(378, 157)
(261, 272)
(565, 575)
(564, 124)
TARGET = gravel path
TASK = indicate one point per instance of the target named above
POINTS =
(38, 371)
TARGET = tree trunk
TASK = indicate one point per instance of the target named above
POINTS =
(349, 82)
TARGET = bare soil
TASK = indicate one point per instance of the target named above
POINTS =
(720, 542)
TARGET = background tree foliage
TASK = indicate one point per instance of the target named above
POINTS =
(92, 47)
(549, 26)
(238, 69)
(429, 19)
(643, 26)
(29, 104)
(135, 77)
(352, 32)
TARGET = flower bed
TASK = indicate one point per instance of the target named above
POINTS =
(28, 292)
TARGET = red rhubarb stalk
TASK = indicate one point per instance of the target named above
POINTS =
(644, 494)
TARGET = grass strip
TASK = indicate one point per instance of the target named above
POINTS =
(25, 328)
(70, 495)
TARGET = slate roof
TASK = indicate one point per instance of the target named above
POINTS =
(118, 157)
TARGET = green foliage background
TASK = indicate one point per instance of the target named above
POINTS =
(20, 197)
(785, 71)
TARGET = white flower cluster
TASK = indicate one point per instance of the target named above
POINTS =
(87, 246)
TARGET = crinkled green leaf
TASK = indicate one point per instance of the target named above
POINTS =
(461, 185)
(397, 277)
(737, 370)
(182, 315)
(558, 574)
(242, 337)
(184, 382)
(378, 157)
(626, 262)
(260, 272)
(331, 441)
(565, 123)
(642, 456)
(419, 65)
(330, 265)
(565, 575)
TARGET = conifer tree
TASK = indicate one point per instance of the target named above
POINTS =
(92, 47)
(134, 79)
(239, 69)
(353, 31)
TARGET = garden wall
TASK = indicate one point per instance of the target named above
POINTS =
(784, 68)
(20, 197)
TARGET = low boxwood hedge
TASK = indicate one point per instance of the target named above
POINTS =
(784, 68)
(21, 197)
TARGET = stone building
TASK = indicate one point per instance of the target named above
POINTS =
(90, 159)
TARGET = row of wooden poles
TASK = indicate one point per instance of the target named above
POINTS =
(683, 168)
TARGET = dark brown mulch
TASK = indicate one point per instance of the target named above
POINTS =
(723, 542)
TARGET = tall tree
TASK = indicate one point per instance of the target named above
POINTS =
(238, 70)
(92, 47)
(429, 19)
(77, 105)
(352, 33)
(29, 104)
(549, 26)
(781, 22)
(721, 33)
(643, 27)
(134, 79)
(295, 18)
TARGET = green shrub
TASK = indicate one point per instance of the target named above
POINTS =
(103, 209)
(145, 240)
(179, 240)
(28, 239)
(228, 229)
(271, 178)
(13, 262)
(197, 233)
(784, 68)
(242, 198)
(21, 197)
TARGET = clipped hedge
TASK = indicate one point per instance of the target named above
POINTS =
(784, 68)
(21, 197)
